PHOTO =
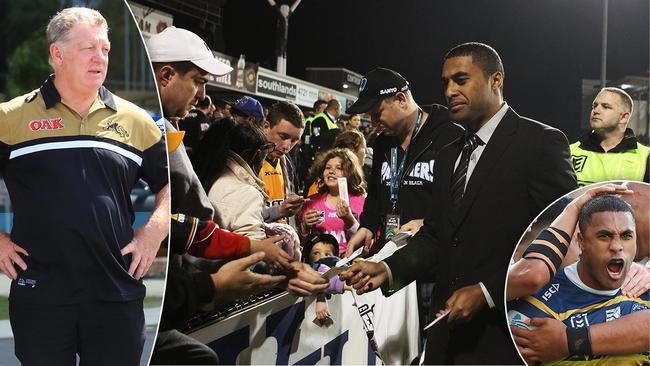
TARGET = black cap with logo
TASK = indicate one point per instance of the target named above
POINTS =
(376, 85)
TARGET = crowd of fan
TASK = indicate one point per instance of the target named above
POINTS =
(270, 173)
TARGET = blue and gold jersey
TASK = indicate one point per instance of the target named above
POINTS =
(567, 299)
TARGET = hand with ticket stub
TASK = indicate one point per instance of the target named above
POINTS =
(413, 226)
(365, 276)
(311, 218)
(305, 281)
(363, 237)
(292, 205)
(344, 213)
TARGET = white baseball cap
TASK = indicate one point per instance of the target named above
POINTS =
(176, 44)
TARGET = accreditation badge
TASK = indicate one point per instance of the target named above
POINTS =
(392, 226)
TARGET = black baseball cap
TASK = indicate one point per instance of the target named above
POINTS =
(376, 85)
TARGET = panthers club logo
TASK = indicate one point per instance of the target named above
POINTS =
(115, 127)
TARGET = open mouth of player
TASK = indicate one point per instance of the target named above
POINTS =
(615, 268)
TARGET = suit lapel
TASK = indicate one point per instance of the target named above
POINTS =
(499, 142)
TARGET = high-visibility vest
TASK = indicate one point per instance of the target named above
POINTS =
(330, 124)
(308, 121)
(591, 166)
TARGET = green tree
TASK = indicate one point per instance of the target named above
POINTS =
(28, 65)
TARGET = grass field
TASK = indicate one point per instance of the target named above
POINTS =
(149, 302)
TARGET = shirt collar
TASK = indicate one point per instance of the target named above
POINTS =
(486, 131)
(51, 96)
(592, 142)
(572, 274)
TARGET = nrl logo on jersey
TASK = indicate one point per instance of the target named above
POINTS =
(115, 127)
(46, 124)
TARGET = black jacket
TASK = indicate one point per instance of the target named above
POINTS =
(436, 132)
(525, 166)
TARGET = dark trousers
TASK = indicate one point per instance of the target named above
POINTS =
(175, 348)
(484, 340)
(101, 333)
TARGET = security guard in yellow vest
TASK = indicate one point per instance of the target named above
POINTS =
(319, 107)
(324, 128)
(610, 151)
(305, 156)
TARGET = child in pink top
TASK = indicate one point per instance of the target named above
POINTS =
(325, 212)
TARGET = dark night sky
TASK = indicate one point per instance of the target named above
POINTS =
(547, 46)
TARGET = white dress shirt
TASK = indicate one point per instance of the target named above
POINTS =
(484, 133)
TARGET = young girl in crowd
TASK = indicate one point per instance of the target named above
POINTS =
(352, 140)
(326, 212)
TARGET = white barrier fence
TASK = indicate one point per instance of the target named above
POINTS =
(282, 332)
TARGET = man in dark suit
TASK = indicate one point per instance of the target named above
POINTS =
(490, 185)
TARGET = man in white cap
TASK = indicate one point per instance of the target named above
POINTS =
(182, 61)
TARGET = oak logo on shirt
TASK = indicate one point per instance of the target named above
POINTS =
(46, 124)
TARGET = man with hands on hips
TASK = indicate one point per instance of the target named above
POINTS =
(71, 151)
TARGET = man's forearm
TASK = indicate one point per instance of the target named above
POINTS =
(271, 214)
(525, 278)
(158, 222)
(628, 334)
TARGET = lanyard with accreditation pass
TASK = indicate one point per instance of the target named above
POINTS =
(392, 222)
(397, 173)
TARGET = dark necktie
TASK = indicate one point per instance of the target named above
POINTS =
(458, 179)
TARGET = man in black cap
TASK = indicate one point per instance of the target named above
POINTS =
(404, 154)
(402, 168)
